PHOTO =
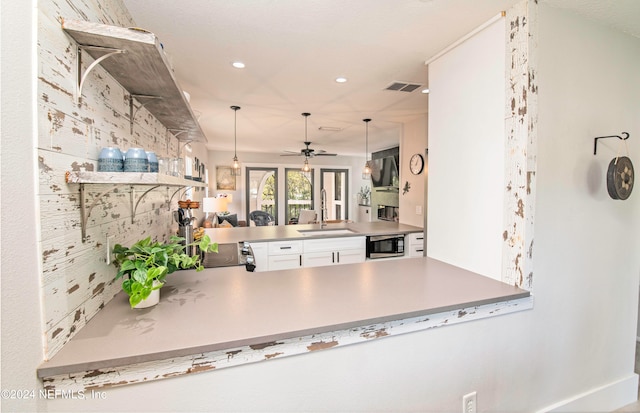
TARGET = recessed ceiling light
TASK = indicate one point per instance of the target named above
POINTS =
(425, 91)
(238, 65)
(341, 79)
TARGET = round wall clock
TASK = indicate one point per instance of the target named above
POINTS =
(416, 164)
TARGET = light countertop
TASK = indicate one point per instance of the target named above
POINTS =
(290, 232)
(223, 308)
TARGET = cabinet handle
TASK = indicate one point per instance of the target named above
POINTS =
(333, 257)
(285, 248)
(338, 254)
(300, 259)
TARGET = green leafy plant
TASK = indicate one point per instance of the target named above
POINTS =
(365, 194)
(148, 263)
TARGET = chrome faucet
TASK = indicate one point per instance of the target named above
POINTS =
(323, 208)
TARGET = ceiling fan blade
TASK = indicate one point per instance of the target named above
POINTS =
(326, 154)
(291, 154)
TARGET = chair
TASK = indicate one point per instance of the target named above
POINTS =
(307, 216)
(261, 218)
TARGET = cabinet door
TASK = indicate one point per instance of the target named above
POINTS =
(350, 256)
(284, 262)
(318, 258)
(261, 255)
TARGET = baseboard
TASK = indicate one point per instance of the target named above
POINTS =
(602, 399)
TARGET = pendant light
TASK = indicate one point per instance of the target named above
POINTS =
(366, 172)
(305, 167)
(236, 164)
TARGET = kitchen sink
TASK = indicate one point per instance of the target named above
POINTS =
(326, 232)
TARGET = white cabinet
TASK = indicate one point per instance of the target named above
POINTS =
(261, 255)
(332, 251)
(364, 213)
(284, 255)
(414, 243)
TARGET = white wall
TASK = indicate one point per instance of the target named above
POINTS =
(412, 203)
(466, 153)
(579, 337)
(586, 260)
(21, 344)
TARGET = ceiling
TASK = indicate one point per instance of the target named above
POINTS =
(295, 49)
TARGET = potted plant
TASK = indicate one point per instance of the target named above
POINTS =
(146, 265)
(365, 194)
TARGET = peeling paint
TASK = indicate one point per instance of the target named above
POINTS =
(264, 345)
(199, 369)
(270, 356)
(98, 288)
(46, 254)
(55, 87)
(85, 166)
(43, 166)
(520, 211)
(322, 345)
(374, 334)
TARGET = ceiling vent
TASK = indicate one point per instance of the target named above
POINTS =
(403, 86)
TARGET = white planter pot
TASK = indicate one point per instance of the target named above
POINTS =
(153, 299)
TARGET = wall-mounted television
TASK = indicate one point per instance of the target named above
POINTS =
(384, 172)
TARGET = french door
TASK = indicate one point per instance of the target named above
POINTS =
(262, 191)
(336, 183)
(298, 190)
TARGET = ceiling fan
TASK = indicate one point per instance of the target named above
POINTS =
(307, 152)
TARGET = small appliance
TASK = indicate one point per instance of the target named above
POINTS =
(385, 246)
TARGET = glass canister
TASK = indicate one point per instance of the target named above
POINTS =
(163, 166)
(176, 167)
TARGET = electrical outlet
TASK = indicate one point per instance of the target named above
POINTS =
(469, 403)
(109, 247)
(418, 209)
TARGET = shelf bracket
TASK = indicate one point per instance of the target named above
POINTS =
(85, 212)
(82, 76)
(174, 194)
(134, 208)
(132, 114)
(595, 140)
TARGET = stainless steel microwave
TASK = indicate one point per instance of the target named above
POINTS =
(385, 246)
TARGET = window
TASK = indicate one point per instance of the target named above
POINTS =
(336, 183)
(299, 192)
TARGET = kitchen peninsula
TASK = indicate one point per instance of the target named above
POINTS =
(292, 232)
(223, 317)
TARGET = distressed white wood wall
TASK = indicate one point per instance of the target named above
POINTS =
(521, 136)
(76, 281)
